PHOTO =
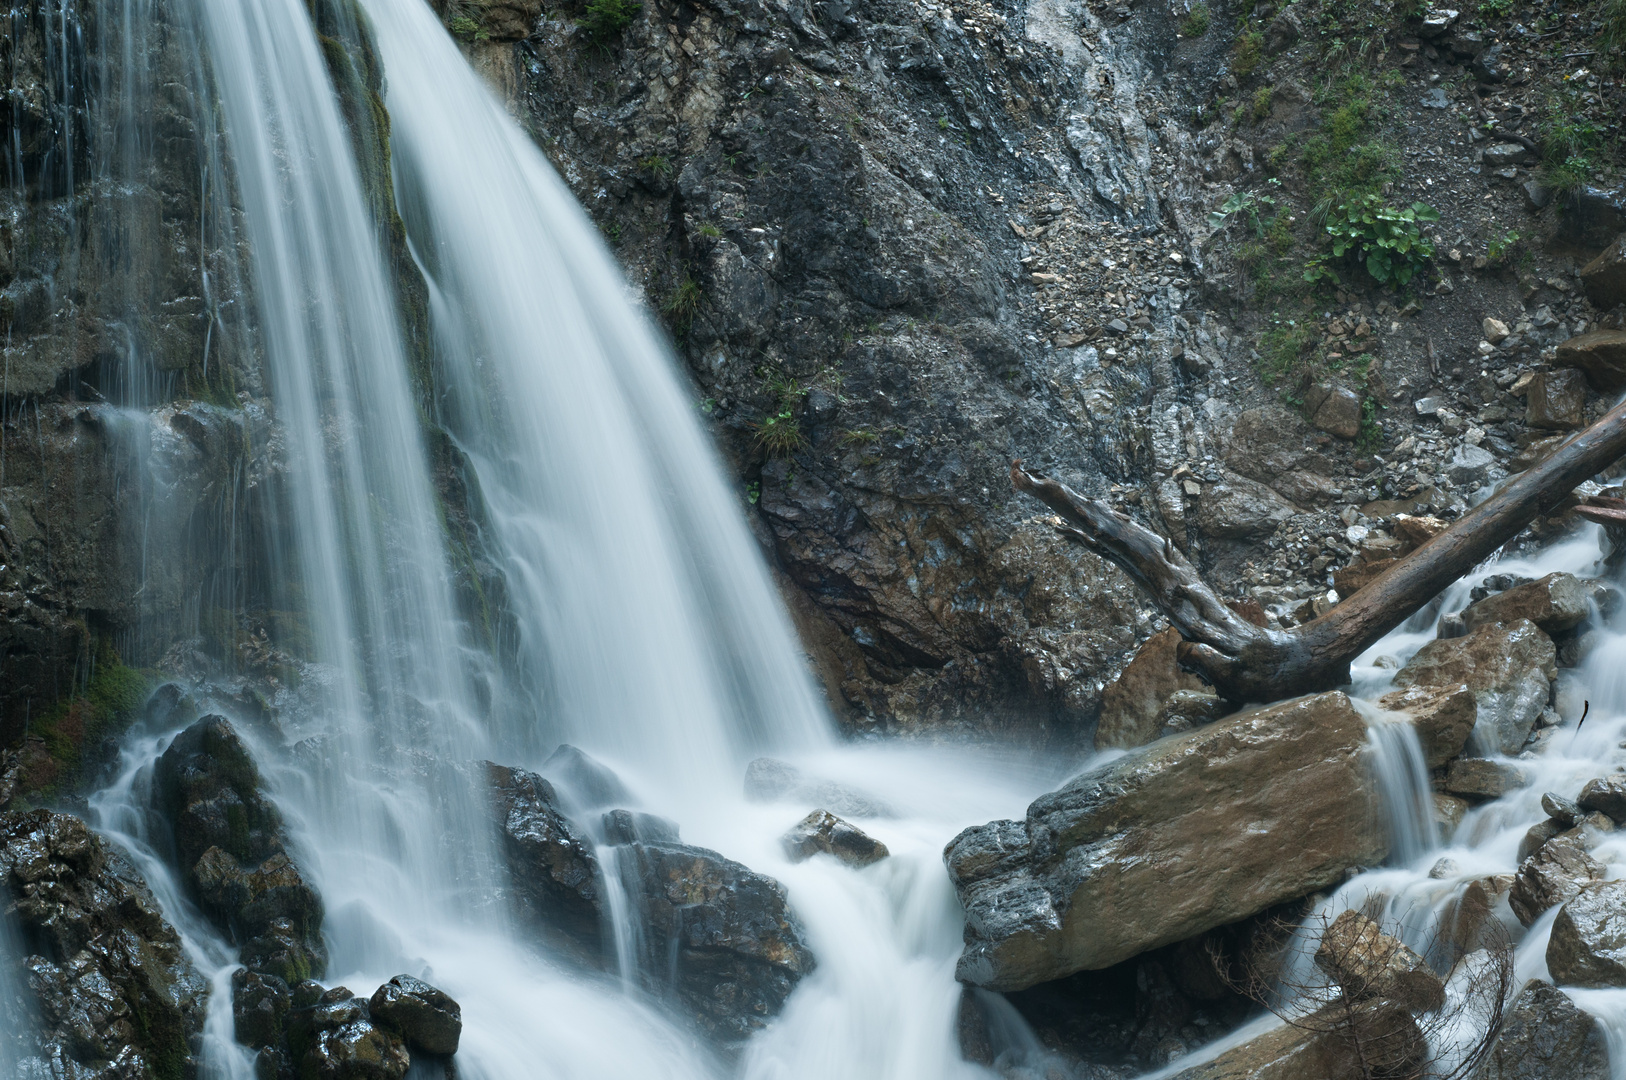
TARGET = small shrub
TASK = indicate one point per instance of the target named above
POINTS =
(1495, 9)
(1195, 24)
(1387, 241)
(1248, 53)
(604, 20)
(1498, 249)
(1261, 103)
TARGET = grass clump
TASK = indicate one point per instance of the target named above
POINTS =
(604, 20)
(1247, 54)
(779, 433)
(683, 305)
(1196, 22)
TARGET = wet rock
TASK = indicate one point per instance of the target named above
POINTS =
(1186, 709)
(1133, 704)
(1604, 278)
(1562, 810)
(1448, 813)
(230, 845)
(1554, 874)
(1606, 794)
(337, 1039)
(1556, 400)
(823, 831)
(1588, 942)
(1237, 508)
(1601, 356)
(1544, 1037)
(1508, 667)
(1470, 465)
(630, 826)
(1334, 409)
(585, 782)
(1480, 778)
(555, 875)
(1537, 835)
(259, 1008)
(1367, 963)
(1323, 1047)
(11, 777)
(427, 1018)
(110, 980)
(1168, 841)
(1555, 603)
(771, 780)
(719, 935)
(1442, 715)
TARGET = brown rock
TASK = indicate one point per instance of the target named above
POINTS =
(1538, 835)
(1417, 530)
(1443, 716)
(1606, 794)
(1322, 1047)
(1588, 943)
(1601, 355)
(1604, 278)
(1367, 963)
(1354, 577)
(1556, 400)
(1448, 813)
(1132, 705)
(823, 831)
(1195, 831)
(1508, 667)
(1551, 876)
(1334, 409)
(1480, 778)
(1555, 603)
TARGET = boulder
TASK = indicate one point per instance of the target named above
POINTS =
(1564, 811)
(1367, 963)
(1545, 1037)
(555, 875)
(1604, 278)
(1556, 400)
(1417, 530)
(823, 831)
(259, 1008)
(1237, 508)
(427, 1018)
(1470, 465)
(1195, 831)
(1607, 795)
(108, 977)
(338, 1039)
(1588, 942)
(1321, 1046)
(1132, 705)
(1443, 717)
(772, 780)
(230, 845)
(1538, 835)
(1334, 409)
(1555, 603)
(718, 935)
(1478, 778)
(1555, 873)
(1601, 356)
(630, 826)
(1509, 668)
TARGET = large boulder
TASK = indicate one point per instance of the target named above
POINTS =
(110, 980)
(427, 1018)
(1601, 356)
(1588, 942)
(1443, 717)
(1132, 705)
(556, 880)
(1545, 1037)
(1558, 870)
(1509, 667)
(232, 851)
(337, 1038)
(1322, 1046)
(1367, 963)
(1556, 603)
(718, 935)
(1195, 831)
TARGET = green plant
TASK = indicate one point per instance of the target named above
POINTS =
(657, 165)
(1195, 24)
(1612, 37)
(1571, 173)
(710, 231)
(1371, 433)
(466, 29)
(1281, 348)
(779, 434)
(753, 492)
(683, 305)
(1247, 54)
(1261, 102)
(858, 437)
(942, 123)
(1387, 241)
(606, 19)
(1499, 247)
(1495, 9)
(1242, 203)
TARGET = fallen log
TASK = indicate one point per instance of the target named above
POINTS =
(1249, 663)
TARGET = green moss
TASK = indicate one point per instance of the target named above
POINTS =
(604, 20)
(1247, 54)
(104, 706)
(1196, 22)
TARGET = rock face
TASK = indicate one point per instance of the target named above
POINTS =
(1558, 870)
(823, 831)
(1442, 715)
(1600, 355)
(1544, 1037)
(427, 1018)
(1367, 963)
(1588, 943)
(1132, 705)
(556, 877)
(337, 1038)
(1508, 667)
(718, 936)
(1322, 1048)
(1196, 831)
(230, 845)
(1555, 603)
(111, 981)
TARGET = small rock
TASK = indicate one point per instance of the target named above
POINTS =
(427, 1018)
(336, 1039)
(1318, 1047)
(1442, 716)
(1428, 406)
(1606, 794)
(1448, 813)
(1444, 868)
(1588, 942)
(1117, 327)
(1366, 963)
(1470, 465)
(823, 831)
(585, 782)
(1537, 196)
(1495, 330)
(550, 860)
(1551, 876)
(1561, 809)
(1502, 155)
(1436, 98)
(1556, 400)
(1436, 23)
(1334, 409)
(259, 1004)
(1509, 668)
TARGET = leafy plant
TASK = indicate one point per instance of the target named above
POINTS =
(1495, 9)
(1499, 247)
(1261, 102)
(1195, 24)
(1243, 203)
(1386, 240)
(604, 20)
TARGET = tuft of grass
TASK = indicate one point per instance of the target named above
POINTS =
(709, 231)
(1612, 37)
(656, 165)
(779, 434)
(604, 20)
(683, 305)
(1196, 22)
(1247, 54)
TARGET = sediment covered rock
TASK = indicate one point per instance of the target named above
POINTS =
(556, 878)
(1588, 942)
(1544, 1037)
(1508, 667)
(1193, 832)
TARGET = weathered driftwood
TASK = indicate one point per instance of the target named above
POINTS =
(1248, 663)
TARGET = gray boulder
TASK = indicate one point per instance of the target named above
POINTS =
(1508, 667)
(1545, 1037)
(1470, 465)
(1588, 942)
(1237, 508)
(631, 826)
(823, 831)
(1555, 873)
(555, 875)
(426, 1017)
(1195, 831)
(1606, 794)
(1555, 603)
